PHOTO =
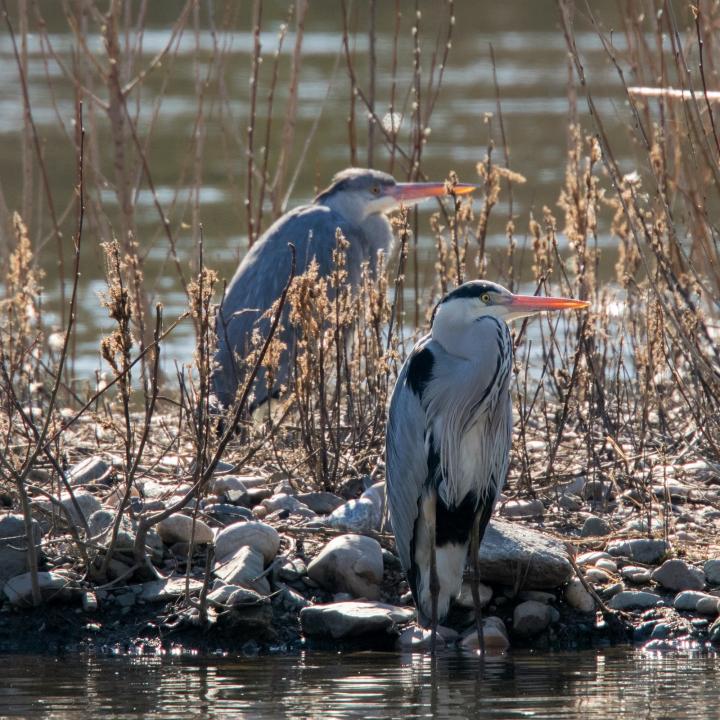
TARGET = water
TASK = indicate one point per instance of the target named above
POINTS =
(532, 73)
(614, 683)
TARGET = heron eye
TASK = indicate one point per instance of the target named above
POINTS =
(485, 297)
(375, 190)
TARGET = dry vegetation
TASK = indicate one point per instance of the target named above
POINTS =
(627, 396)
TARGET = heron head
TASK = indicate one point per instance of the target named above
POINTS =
(476, 299)
(359, 192)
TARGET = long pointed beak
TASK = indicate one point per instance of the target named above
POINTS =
(414, 192)
(535, 303)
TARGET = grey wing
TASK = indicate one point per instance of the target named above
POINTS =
(260, 280)
(406, 462)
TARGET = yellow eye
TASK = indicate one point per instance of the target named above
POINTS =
(485, 297)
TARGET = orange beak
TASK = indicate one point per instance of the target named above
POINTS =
(535, 303)
(409, 192)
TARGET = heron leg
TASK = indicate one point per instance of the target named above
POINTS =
(475, 554)
(434, 585)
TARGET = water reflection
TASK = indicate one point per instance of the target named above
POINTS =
(616, 683)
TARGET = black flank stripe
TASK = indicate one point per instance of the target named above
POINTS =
(420, 371)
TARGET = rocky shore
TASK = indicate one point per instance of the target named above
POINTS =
(257, 566)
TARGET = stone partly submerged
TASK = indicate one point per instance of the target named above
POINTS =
(518, 556)
(353, 619)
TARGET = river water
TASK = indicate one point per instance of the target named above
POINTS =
(532, 77)
(612, 683)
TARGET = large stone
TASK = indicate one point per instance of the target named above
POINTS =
(182, 528)
(678, 575)
(258, 535)
(594, 526)
(163, 590)
(578, 597)
(531, 618)
(53, 586)
(87, 471)
(353, 619)
(244, 568)
(640, 550)
(688, 599)
(349, 563)
(14, 546)
(495, 636)
(709, 605)
(633, 600)
(465, 598)
(234, 595)
(512, 554)
(712, 571)
(362, 515)
(322, 503)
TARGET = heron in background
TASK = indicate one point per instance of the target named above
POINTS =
(448, 440)
(355, 203)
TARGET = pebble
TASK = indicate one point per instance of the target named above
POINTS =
(511, 553)
(465, 598)
(292, 569)
(635, 574)
(712, 571)
(245, 567)
(170, 589)
(290, 600)
(86, 502)
(530, 618)
(606, 564)
(688, 599)
(495, 636)
(708, 605)
(633, 599)
(283, 501)
(354, 619)
(223, 485)
(676, 575)
(257, 535)
(641, 550)
(590, 558)
(578, 597)
(349, 563)
(232, 596)
(362, 515)
(594, 526)
(88, 470)
(226, 513)
(322, 503)
(523, 509)
(661, 631)
(596, 575)
(179, 528)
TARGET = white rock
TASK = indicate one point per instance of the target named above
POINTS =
(361, 515)
(596, 575)
(258, 535)
(227, 483)
(633, 599)
(244, 568)
(607, 565)
(578, 597)
(523, 509)
(13, 545)
(179, 528)
(349, 563)
(354, 619)
(635, 574)
(688, 599)
(531, 618)
(676, 575)
(590, 558)
(495, 636)
(53, 586)
(282, 501)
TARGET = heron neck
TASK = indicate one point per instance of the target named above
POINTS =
(469, 340)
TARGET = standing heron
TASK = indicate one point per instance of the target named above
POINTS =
(355, 204)
(448, 439)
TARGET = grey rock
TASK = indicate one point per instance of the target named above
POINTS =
(233, 596)
(53, 586)
(641, 550)
(292, 570)
(688, 599)
(597, 576)
(223, 485)
(89, 470)
(244, 568)
(678, 575)
(322, 503)
(594, 526)
(635, 574)
(495, 636)
(590, 558)
(181, 528)
(712, 571)
(465, 598)
(86, 502)
(289, 503)
(226, 514)
(634, 599)
(530, 618)
(709, 605)
(578, 597)
(607, 565)
(362, 515)
(511, 553)
(163, 590)
(126, 599)
(570, 502)
(290, 600)
(258, 535)
(353, 619)
(661, 631)
(13, 546)
(611, 590)
(349, 563)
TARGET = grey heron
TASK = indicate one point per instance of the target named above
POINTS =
(355, 203)
(448, 439)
